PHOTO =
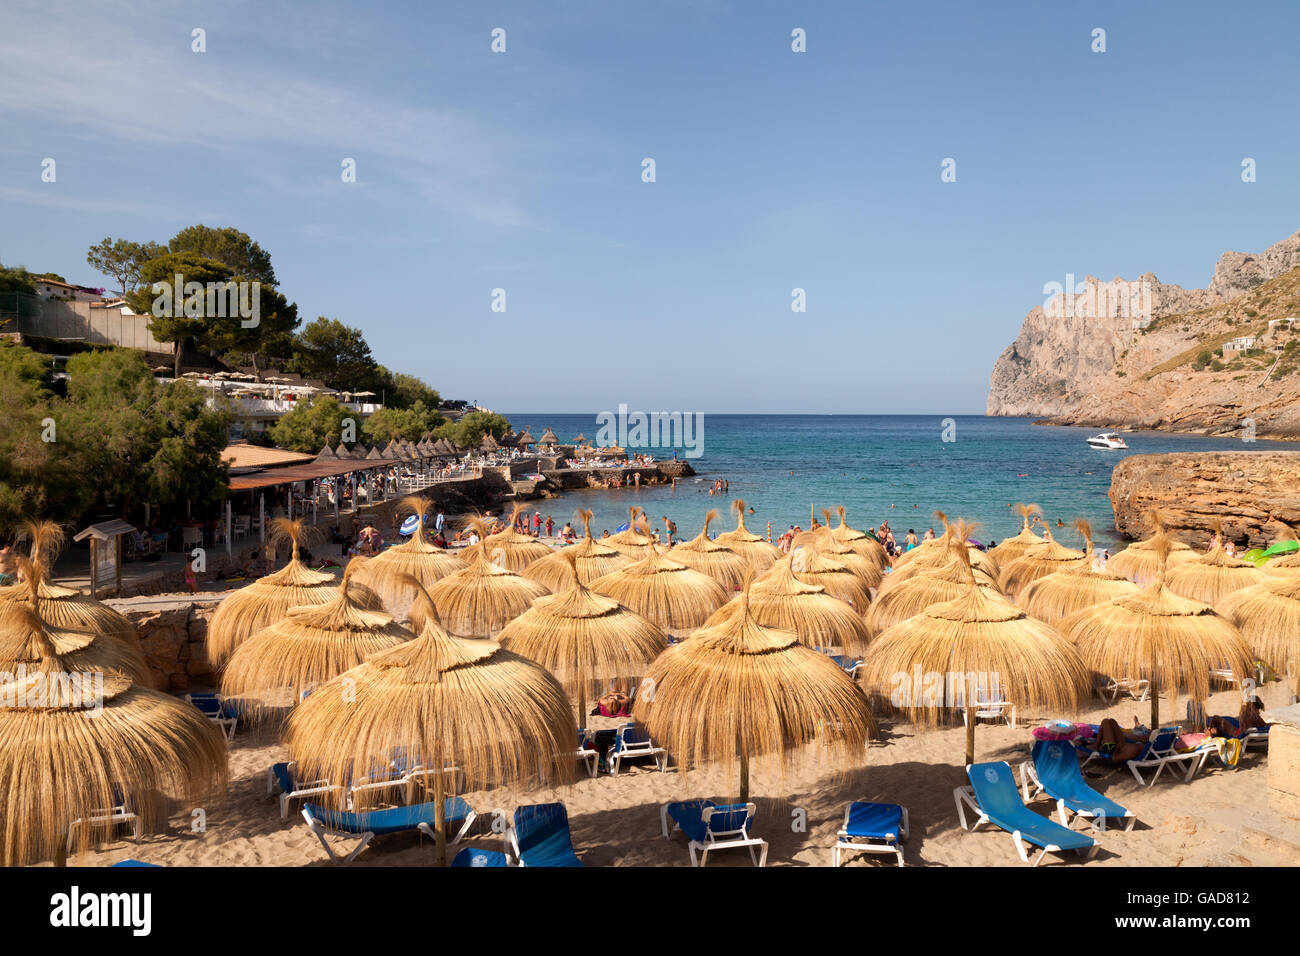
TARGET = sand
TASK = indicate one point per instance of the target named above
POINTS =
(1218, 819)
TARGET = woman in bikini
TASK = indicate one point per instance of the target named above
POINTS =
(1113, 744)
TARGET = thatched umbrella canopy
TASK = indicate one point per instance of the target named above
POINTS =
(584, 638)
(594, 559)
(1214, 575)
(72, 613)
(830, 574)
(737, 690)
(780, 600)
(670, 594)
(418, 558)
(864, 567)
(498, 718)
(243, 613)
(1289, 563)
(634, 541)
(938, 552)
(1039, 561)
(1012, 548)
(309, 646)
(72, 736)
(1156, 635)
(1268, 616)
(510, 549)
(716, 560)
(1140, 562)
(980, 633)
(479, 600)
(760, 553)
(1074, 588)
(861, 542)
(928, 585)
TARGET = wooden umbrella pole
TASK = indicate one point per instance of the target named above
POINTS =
(439, 821)
(970, 735)
(744, 777)
(1155, 706)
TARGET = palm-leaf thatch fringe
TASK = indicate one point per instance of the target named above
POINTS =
(635, 539)
(831, 574)
(1141, 563)
(673, 596)
(939, 552)
(708, 557)
(1015, 547)
(760, 554)
(74, 740)
(309, 646)
(479, 600)
(1268, 616)
(780, 600)
(1156, 635)
(510, 549)
(1073, 589)
(418, 558)
(738, 691)
(1214, 575)
(916, 592)
(1039, 561)
(936, 660)
(243, 613)
(861, 542)
(440, 702)
(864, 567)
(594, 559)
(585, 639)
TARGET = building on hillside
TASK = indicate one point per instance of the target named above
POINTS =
(1238, 346)
(54, 289)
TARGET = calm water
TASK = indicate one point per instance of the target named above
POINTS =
(879, 467)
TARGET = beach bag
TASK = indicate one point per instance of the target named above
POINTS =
(1229, 750)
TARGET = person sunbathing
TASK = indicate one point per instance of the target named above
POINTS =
(615, 703)
(1250, 718)
(1114, 744)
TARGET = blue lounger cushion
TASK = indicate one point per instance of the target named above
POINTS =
(879, 821)
(542, 834)
(999, 799)
(134, 863)
(1058, 771)
(392, 820)
(471, 857)
(689, 817)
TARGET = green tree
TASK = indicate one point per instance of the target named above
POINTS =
(178, 322)
(311, 426)
(31, 468)
(409, 423)
(272, 337)
(469, 430)
(16, 279)
(235, 250)
(406, 390)
(121, 259)
(335, 353)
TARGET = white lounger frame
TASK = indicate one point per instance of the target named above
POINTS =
(1031, 787)
(644, 748)
(112, 816)
(874, 844)
(227, 724)
(321, 831)
(301, 788)
(966, 796)
(1195, 760)
(721, 840)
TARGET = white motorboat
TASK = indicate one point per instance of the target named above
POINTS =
(1107, 440)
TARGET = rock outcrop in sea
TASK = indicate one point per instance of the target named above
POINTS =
(1145, 354)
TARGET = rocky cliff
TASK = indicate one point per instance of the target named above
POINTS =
(1145, 354)
(1255, 493)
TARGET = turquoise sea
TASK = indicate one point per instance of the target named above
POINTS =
(894, 467)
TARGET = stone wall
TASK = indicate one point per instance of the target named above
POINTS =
(173, 633)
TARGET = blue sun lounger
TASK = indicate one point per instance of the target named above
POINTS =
(872, 828)
(1053, 768)
(540, 836)
(709, 825)
(473, 857)
(375, 823)
(994, 797)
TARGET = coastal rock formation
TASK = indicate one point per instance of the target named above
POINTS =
(173, 632)
(1255, 493)
(1149, 355)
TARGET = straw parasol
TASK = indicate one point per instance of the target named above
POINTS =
(309, 646)
(861, 542)
(478, 600)
(737, 690)
(77, 739)
(1140, 563)
(936, 553)
(1156, 635)
(1038, 561)
(243, 613)
(594, 559)
(499, 719)
(782, 601)
(69, 610)
(716, 560)
(831, 574)
(1074, 588)
(585, 639)
(670, 594)
(1214, 575)
(635, 539)
(760, 554)
(937, 659)
(418, 557)
(1289, 563)
(510, 549)
(1268, 616)
(1012, 548)
(864, 567)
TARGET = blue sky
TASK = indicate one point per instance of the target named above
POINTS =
(775, 170)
